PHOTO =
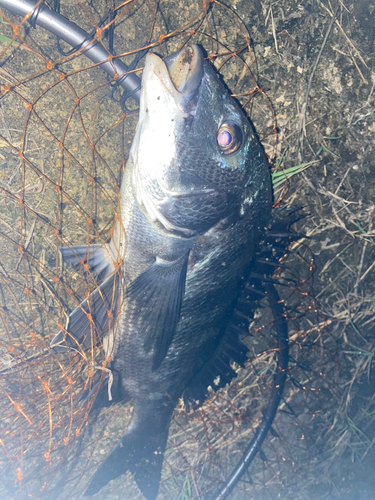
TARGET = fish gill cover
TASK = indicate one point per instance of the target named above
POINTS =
(65, 140)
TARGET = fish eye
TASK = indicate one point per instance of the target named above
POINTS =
(229, 138)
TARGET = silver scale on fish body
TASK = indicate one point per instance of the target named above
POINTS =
(196, 193)
(195, 201)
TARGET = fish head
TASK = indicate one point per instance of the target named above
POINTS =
(196, 158)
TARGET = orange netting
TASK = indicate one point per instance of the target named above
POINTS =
(63, 147)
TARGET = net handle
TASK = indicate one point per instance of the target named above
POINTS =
(40, 14)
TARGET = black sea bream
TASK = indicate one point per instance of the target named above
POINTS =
(195, 200)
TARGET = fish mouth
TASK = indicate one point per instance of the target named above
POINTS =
(178, 78)
(180, 74)
(186, 70)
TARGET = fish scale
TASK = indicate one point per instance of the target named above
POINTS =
(186, 242)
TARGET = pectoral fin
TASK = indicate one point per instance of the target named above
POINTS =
(157, 296)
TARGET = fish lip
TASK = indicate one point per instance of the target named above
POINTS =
(186, 64)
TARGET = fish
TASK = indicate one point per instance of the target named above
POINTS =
(195, 200)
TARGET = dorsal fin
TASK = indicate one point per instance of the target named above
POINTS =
(218, 371)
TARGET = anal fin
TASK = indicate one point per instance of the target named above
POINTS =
(106, 391)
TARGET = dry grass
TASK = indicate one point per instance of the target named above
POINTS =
(307, 81)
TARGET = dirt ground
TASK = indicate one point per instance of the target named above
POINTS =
(308, 86)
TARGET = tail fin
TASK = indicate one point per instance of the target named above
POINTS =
(142, 454)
